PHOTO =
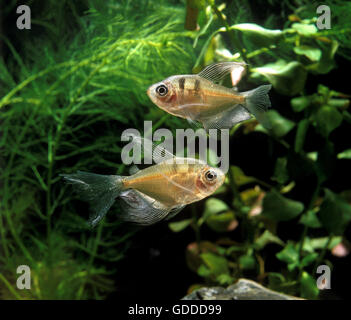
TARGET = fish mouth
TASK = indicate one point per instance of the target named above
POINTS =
(151, 93)
(220, 177)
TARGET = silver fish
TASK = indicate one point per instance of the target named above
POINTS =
(152, 194)
(198, 98)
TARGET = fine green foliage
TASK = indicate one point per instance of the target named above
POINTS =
(65, 111)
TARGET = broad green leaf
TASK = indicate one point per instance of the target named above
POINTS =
(326, 62)
(258, 35)
(310, 245)
(308, 259)
(240, 177)
(265, 238)
(224, 279)
(312, 53)
(216, 264)
(309, 289)
(247, 262)
(305, 29)
(278, 208)
(280, 125)
(222, 222)
(301, 131)
(300, 103)
(287, 78)
(289, 254)
(346, 154)
(214, 206)
(334, 213)
(310, 220)
(339, 103)
(203, 271)
(328, 118)
(178, 226)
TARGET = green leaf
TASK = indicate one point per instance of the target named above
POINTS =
(280, 125)
(326, 63)
(308, 259)
(281, 174)
(203, 271)
(328, 119)
(278, 208)
(240, 177)
(225, 279)
(312, 53)
(300, 103)
(222, 222)
(310, 220)
(216, 264)
(214, 206)
(305, 29)
(289, 254)
(247, 262)
(265, 238)
(310, 245)
(346, 154)
(334, 213)
(258, 35)
(178, 226)
(301, 131)
(309, 289)
(287, 78)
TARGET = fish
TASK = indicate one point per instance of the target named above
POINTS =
(149, 195)
(199, 98)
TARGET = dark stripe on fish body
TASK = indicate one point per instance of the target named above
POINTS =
(181, 83)
(197, 87)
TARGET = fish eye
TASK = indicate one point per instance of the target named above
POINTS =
(210, 175)
(162, 90)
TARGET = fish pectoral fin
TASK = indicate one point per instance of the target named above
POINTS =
(174, 211)
(217, 71)
(141, 209)
(227, 119)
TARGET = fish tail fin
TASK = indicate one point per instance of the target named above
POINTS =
(100, 191)
(257, 102)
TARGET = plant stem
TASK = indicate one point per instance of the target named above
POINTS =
(324, 251)
(231, 32)
(10, 288)
(304, 233)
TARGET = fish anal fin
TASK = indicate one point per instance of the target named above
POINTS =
(141, 209)
(227, 119)
(174, 211)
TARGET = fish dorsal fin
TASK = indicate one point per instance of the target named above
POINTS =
(217, 71)
(159, 152)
